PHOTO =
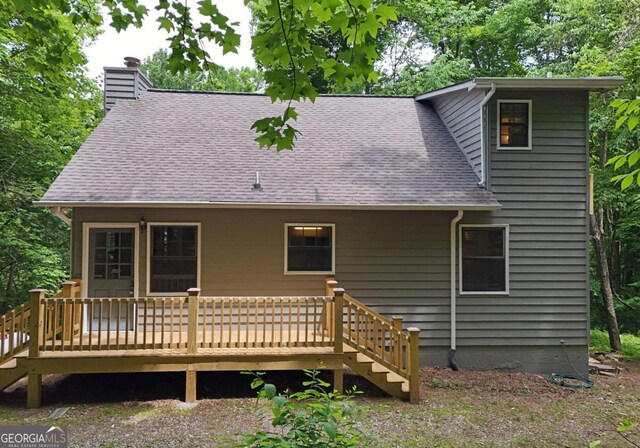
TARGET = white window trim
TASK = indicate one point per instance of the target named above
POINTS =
(86, 226)
(506, 260)
(148, 258)
(286, 247)
(530, 131)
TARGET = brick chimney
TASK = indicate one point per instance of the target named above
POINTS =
(123, 83)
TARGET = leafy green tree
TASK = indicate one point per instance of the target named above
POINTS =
(245, 79)
(48, 106)
(285, 48)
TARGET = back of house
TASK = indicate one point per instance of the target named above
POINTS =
(464, 209)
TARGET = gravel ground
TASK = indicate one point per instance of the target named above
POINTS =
(458, 409)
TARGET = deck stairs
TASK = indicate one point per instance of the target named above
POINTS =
(10, 372)
(376, 373)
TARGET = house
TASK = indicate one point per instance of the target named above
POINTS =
(464, 209)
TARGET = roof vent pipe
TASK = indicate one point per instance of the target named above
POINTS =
(549, 75)
(256, 184)
(132, 62)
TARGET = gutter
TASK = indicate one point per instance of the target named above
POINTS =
(483, 141)
(58, 213)
(266, 205)
(452, 349)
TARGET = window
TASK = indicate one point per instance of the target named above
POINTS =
(173, 259)
(309, 248)
(484, 259)
(514, 124)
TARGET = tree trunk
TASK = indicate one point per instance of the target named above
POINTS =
(605, 279)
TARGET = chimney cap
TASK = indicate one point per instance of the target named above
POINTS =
(130, 61)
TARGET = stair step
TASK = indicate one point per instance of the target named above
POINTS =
(363, 359)
(377, 368)
(9, 364)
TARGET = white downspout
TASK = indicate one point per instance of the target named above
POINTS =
(57, 212)
(483, 142)
(452, 349)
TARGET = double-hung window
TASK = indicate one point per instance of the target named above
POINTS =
(309, 248)
(484, 259)
(514, 124)
(173, 258)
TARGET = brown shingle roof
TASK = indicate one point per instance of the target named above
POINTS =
(183, 148)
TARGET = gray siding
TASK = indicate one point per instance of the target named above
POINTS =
(544, 197)
(460, 112)
(123, 83)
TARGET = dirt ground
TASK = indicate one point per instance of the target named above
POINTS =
(458, 409)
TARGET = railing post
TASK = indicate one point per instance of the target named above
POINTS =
(397, 347)
(68, 292)
(414, 365)
(36, 321)
(36, 329)
(338, 319)
(192, 321)
(330, 285)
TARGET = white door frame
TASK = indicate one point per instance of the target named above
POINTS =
(86, 226)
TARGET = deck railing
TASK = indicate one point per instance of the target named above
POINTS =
(188, 324)
(14, 331)
(381, 339)
(194, 323)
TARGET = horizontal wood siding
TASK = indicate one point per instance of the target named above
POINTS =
(544, 197)
(460, 112)
(122, 83)
(397, 262)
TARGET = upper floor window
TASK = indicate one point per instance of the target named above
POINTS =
(514, 124)
(484, 259)
(309, 248)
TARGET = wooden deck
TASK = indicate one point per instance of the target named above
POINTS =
(70, 334)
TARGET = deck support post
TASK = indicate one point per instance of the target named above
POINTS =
(338, 324)
(192, 321)
(68, 293)
(190, 389)
(414, 365)
(34, 390)
(338, 380)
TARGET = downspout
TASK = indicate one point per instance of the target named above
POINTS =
(452, 349)
(57, 212)
(483, 142)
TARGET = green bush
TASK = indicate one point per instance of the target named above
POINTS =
(311, 418)
(630, 343)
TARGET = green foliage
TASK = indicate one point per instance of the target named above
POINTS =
(630, 343)
(286, 48)
(245, 79)
(310, 418)
(48, 108)
(627, 111)
(625, 429)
